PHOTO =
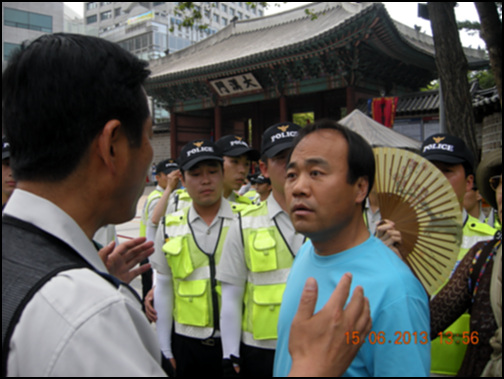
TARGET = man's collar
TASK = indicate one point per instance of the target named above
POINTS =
(224, 211)
(273, 207)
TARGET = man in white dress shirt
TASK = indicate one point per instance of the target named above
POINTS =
(77, 118)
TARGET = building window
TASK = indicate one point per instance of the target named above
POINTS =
(232, 11)
(91, 6)
(224, 21)
(91, 19)
(28, 20)
(117, 12)
(106, 15)
(240, 15)
(224, 8)
(9, 49)
(216, 17)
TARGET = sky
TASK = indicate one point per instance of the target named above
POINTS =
(404, 12)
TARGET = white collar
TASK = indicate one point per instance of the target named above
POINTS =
(273, 207)
(224, 212)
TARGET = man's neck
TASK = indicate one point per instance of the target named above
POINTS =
(337, 241)
(81, 208)
(208, 213)
(5, 198)
(280, 199)
(227, 192)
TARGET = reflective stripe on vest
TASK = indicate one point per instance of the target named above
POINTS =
(156, 194)
(268, 259)
(446, 359)
(196, 290)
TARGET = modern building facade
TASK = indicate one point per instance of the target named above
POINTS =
(27, 21)
(152, 30)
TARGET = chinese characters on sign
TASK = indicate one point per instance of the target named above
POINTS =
(235, 84)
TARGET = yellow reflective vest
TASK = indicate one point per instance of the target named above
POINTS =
(268, 259)
(197, 293)
(446, 359)
(156, 194)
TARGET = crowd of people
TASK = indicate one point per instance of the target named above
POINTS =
(303, 279)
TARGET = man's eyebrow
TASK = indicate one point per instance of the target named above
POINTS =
(310, 162)
(291, 165)
(316, 162)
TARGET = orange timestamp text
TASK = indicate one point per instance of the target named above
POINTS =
(405, 338)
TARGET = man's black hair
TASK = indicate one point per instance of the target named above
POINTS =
(361, 162)
(58, 92)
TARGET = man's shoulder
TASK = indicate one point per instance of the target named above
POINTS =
(255, 210)
(77, 309)
(387, 266)
(74, 292)
(176, 218)
(475, 226)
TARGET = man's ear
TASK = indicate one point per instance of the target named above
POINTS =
(263, 166)
(108, 144)
(361, 187)
(182, 179)
(469, 182)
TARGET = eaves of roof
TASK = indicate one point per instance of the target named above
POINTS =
(243, 47)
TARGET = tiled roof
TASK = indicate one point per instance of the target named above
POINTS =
(258, 42)
(486, 97)
(427, 102)
(418, 103)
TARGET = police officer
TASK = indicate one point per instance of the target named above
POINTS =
(237, 159)
(187, 250)
(262, 186)
(163, 169)
(166, 179)
(451, 155)
(257, 257)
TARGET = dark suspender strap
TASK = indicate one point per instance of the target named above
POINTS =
(285, 241)
(27, 271)
(19, 310)
(213, 280)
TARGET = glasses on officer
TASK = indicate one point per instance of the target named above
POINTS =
(496, 182)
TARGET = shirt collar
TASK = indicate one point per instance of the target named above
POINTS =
(273, 207)
(224, 212)
(48, 217)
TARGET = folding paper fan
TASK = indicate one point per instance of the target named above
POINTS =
(417, 197)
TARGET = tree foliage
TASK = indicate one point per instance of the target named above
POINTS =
(192, 14)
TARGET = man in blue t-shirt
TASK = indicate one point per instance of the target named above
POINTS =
(329, 174)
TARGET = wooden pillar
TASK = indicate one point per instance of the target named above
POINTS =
(257, 125)
(173, 133)
(218, 122)
(350, 99)
(283, 109)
